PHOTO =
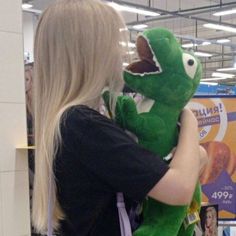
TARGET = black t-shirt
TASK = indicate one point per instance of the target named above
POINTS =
(96, 160)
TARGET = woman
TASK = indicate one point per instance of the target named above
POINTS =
(82, 157)
(28, 87)
(211, 222)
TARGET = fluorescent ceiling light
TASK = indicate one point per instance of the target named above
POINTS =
(140, 11)
(209, 83)
(189, 45)
(124, 29)
(223, 75)
(223, 40)
(130, 45)
(224, 13)
(213, 79)
(131, 52)
(26, 6)
(31, 10)
(202, 54)
(125, 64)
(206, 43)
(220, 27)
(227, 69)
(141, 26)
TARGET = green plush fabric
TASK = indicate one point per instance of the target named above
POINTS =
(167, 77)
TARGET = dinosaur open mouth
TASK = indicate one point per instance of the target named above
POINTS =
(148, 63)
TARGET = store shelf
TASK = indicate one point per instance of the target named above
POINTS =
(25, 148)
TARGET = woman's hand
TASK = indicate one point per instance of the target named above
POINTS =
(188, 120)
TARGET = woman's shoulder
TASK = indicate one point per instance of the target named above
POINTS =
(82, 112)
(83, 115)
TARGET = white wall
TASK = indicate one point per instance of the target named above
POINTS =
(14, 197)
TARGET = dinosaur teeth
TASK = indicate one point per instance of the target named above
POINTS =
(154, 59)
(157, 64)
(142, 68)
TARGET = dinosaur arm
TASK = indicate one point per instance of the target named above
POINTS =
(145, 126)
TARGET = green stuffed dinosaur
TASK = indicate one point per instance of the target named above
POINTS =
(167, 77)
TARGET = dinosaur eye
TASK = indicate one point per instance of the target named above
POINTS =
(190, 62)
(190, 65)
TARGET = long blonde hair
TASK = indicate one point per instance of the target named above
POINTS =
(77, 54)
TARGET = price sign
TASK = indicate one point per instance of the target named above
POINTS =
(222, 195)
(222, 192)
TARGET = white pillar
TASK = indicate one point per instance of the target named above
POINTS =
(14, 193)
(28, 33)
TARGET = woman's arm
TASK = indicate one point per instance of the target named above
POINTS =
(177, 186)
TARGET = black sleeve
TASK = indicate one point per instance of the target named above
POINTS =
(111, 155)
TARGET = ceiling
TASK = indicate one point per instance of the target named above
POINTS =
(186, 18)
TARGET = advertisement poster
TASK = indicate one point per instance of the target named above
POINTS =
(217, 131)
(209, 220)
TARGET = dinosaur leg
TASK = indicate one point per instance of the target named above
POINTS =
(160, 219)
(186, 232)
(189, 231)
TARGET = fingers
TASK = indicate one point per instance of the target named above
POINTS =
(189, 121)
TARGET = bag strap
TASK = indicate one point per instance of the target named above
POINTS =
(125, 227)
(50, 228)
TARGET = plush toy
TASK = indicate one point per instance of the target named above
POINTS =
(167, 77)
